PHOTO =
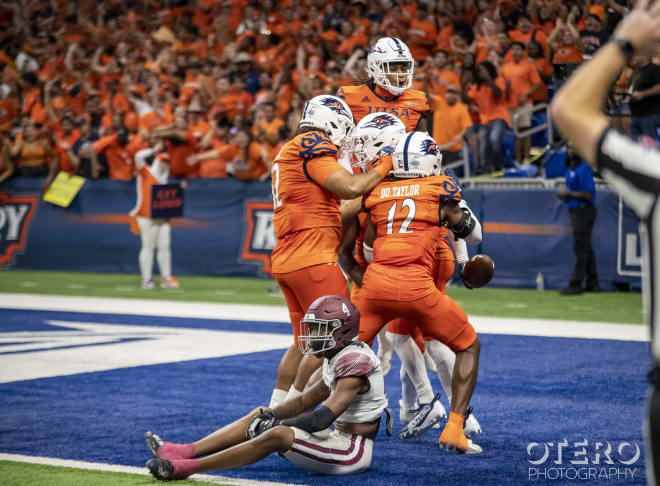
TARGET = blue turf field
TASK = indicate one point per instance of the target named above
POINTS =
(530, 389)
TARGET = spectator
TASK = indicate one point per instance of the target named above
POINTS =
(181, 144)
(580, 196)
(152, 168)
(117, 155)
(544, 68)
(523, 80)
(526, 32)
(268, 130)
(489, 95)
(593, 36)
(439, 73)
(566, 44)
(32, 150)
(451, 121)
(422, 34)
(65, 159)
(6, 162)
(645, 99)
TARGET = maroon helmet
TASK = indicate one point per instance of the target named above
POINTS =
(331, 322)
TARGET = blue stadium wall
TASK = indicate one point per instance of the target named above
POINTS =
(227, 231)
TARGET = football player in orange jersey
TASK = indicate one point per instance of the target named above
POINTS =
(390, 66)
(308, 183)
(407, 213)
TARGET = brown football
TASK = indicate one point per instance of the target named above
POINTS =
(479, 270)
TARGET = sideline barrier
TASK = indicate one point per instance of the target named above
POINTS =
(227, 230)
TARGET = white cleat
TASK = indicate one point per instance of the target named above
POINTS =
(430, 364)
(427, 416)
(471, 427)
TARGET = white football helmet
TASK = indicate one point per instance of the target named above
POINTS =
(383, 54)
(376, 132)
(332, 115)
(416, 155)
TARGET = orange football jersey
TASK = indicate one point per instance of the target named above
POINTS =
(307, 218)
(362, 100)
(406, 216)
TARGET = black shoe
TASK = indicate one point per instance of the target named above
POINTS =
(153, 442)
(161, 469)
(571, 291)
(593, 288)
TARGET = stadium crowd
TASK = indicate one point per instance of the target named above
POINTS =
(86, 85)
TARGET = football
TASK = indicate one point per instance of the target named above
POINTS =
(478, 270)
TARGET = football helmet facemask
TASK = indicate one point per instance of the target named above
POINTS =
(416, 155)
(330, 323)
(390, 59)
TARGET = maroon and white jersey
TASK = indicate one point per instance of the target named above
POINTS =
(357, 359)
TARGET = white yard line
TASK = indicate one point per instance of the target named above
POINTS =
(270, 313)
(98, 466)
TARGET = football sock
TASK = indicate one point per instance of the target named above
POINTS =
(444, 359)
(293, 393)
(408, 392)
(277, 397)
(184, 468)
(453, 432)
(172, 451)
(384, 345)
(414, 364)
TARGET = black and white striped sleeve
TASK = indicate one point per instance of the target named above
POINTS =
(632, 170)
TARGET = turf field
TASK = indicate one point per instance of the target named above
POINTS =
(84, 384)
(623, 307)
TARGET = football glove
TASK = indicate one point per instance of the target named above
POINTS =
(260, 424)
(461, 269)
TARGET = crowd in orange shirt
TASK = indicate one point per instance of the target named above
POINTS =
(85, 85)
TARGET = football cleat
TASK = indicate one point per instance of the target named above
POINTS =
(147, 284)
(427, 416)
(471, 426)
(153, 442)
(169, 283)
(161, 469)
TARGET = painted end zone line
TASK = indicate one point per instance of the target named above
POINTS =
(99, 466)
(279, 314)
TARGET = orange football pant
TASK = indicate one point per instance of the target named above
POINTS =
(436, 315)
(442, 272)
(304, 286)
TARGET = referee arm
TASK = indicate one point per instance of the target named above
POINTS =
(577, 107)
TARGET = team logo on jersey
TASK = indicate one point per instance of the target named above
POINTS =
(15, 216)
(429, 147)
(381, 121)
(259, 235)
(336, 106)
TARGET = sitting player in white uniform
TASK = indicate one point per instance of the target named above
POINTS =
(351, 395)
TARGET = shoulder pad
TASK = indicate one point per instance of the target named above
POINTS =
(315, 144)
(353, 363)
(450, 191)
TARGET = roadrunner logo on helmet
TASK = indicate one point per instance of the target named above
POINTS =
(330, 323)
(331, 115)
(416, 155)
(387, 53)
(375, 135)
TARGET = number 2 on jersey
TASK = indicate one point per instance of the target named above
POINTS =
(277, 202)
(407, 203)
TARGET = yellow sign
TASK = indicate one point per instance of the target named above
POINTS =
(64, 189)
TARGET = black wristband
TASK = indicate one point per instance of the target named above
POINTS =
(625, 46)
(319, 419)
